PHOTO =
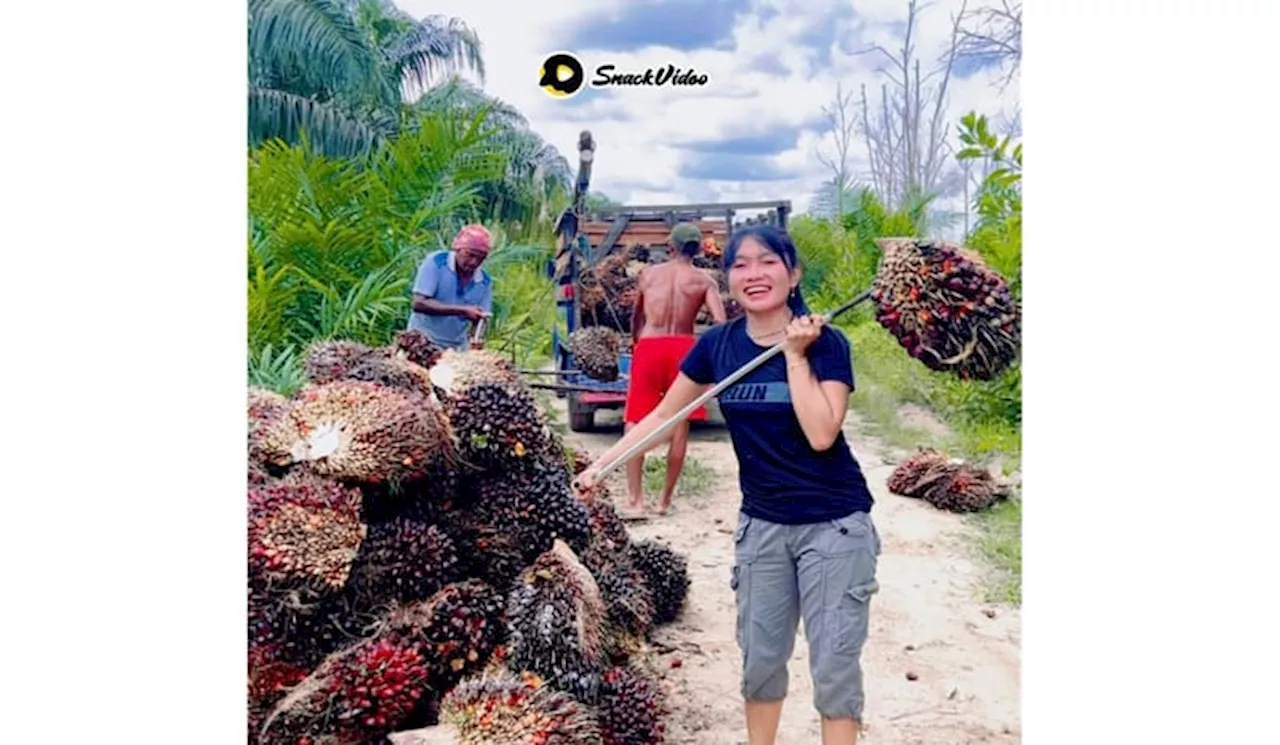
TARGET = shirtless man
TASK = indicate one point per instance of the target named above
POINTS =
(671, 295)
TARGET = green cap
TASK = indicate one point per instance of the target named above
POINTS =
(683, 233)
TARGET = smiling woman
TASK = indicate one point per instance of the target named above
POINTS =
(805, 545)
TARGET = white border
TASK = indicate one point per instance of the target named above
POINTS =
(1150, 398)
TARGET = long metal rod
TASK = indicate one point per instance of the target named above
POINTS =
(737, 375)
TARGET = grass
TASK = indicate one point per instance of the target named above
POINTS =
(977, 416)
(695, 478)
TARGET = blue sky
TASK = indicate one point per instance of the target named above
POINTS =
(752, 133)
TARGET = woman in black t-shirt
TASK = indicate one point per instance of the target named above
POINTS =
(805, 545)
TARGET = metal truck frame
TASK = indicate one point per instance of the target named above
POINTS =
(610, 228)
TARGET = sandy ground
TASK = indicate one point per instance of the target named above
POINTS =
(928, 619)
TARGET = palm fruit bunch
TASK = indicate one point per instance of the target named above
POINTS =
(493, 414)
(629, 604)
(631, 708)
(357, 695)
(417, 347)
(383, 570)
(667, 573)
(556, 624)
(517, 710)
(303, 533)
(488, 552)
(361, 432)
(533, 500)
(393, 372)
(264, 409)
(623, 587)
(403, 560)
(595, 351)
(270, 679)
(455, 372)
(333, 359)
(607, 293)
(947, 308)
(459, 628)
(497, 424)
(959, 487)
(907, 478)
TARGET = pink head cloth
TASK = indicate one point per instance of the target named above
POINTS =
(475, 237)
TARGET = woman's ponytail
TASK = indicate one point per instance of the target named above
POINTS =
(795, 301)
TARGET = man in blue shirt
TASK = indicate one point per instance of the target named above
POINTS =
(452, 291)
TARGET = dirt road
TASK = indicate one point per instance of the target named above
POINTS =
(928, 619)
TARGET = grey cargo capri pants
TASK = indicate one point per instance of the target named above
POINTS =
(822, 572)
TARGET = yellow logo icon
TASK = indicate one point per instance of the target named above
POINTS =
(561, 75)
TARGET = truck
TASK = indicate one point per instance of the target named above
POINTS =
(586, 235)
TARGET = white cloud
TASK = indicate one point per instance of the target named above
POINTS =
(637, 160)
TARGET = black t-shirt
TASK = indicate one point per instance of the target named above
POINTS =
(783, 479)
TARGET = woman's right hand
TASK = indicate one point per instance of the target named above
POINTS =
(585, 485)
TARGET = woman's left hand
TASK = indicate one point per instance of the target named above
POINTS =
(801, 332)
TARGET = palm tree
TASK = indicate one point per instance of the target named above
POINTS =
(342, 69)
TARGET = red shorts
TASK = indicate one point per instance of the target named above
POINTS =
(655, 363)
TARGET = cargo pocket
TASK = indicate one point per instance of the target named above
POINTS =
(849, 622)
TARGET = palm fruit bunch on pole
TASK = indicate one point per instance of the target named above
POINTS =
(555, 623)
(632, 707)
(907, 479)
(508, 709)
(596, 350)
(667, 573)
(360, 432)
(947, 308)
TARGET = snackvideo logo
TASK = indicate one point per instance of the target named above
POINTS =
(562, 75)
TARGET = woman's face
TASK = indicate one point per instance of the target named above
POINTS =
(758, 279)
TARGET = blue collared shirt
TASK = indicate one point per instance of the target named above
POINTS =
(438, 279)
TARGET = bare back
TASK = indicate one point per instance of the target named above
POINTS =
(672, 293)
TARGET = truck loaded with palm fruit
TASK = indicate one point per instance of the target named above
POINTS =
(600, 255)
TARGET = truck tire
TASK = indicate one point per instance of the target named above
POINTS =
(582, 417)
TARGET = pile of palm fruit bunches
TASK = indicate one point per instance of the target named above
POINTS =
(947, 308)
(607, 290)
(945, 483)
(416, 558)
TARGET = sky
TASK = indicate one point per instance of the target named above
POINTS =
(752, 133)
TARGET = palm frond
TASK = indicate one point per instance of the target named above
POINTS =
(435, 47)
(277, 369)
(321, 34)
(333, 131)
